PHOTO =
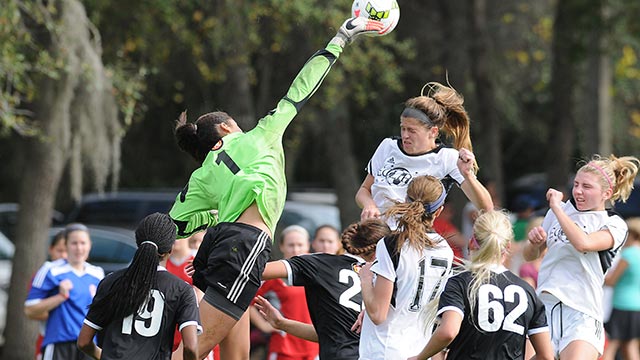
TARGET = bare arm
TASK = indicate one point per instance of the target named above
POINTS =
(613, 276)
(472, 188)
(277, 321)
(443, 336)
(85, 342)
(364, 199)
(274, 270)
(190, 342)
(581, 241)
(542, 344)
(376, 298)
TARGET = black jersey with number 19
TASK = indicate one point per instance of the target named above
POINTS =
(506, 311)
(148, 334)
(334, 298)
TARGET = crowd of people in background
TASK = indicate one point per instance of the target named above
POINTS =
(402, 282)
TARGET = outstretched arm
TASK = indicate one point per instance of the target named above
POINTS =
(311, 76)
(277, 321)
(275, 270)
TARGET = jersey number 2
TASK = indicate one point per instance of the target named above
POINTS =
(487, 295)
(345, 297)
(149, 324)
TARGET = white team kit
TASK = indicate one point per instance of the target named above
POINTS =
(393, 170)
(419, 277)
(576, 278)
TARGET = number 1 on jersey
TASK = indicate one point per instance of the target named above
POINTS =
(228, 161)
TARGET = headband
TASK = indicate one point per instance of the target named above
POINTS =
(417, 114)
(592, 164)
(150, 242)
(430, 208)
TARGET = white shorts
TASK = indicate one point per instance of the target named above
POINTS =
(567, 324)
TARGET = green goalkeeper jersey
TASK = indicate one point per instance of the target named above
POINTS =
(249, 167)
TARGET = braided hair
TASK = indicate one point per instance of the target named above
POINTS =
(155, 236)
(361, 238)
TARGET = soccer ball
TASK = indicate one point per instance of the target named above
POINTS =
(385, 11)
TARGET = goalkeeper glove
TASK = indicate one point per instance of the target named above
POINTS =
(353, 27)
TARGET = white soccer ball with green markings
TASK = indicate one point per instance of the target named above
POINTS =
(385, 11)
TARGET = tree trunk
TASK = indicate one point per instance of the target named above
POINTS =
(76, 104)
(563, 81)
(237, 95)
(37, 194)
(342, 161)
(573, 23)
(597, 112)
(490, 143)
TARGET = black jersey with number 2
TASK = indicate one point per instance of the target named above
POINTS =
(148, 334)
(334, 298)
(506, 311)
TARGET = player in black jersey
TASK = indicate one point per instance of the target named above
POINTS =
(332, 287)
(136, 310)
(487, 311)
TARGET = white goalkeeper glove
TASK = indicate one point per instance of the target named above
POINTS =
(353, 27)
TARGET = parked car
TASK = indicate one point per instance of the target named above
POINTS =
(534, 186)
(632, 207)
(122, 208)
(9, 218)
(127, 208)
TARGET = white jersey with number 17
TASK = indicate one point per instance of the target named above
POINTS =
(419, 277)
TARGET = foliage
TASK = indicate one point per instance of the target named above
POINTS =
(21, 59)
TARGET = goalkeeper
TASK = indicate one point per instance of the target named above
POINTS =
(242, 177)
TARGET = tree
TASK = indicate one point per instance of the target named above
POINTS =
(487, 115)
(572, 23)
(75, 122)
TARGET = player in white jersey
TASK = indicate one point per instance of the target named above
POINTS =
(410, 270)
(582, 238)
(418, 152)
(487, 312)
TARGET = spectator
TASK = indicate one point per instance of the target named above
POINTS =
(65, 291)
(623, 326)
(327, 240)
(57, 250)
(289, 300)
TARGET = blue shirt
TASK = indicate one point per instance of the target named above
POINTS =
(65, 321)
(626, 294)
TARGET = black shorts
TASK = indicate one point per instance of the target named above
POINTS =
(229, 265)
(63, 351)
(623, 325)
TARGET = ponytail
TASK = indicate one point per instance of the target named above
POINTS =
(155, 236)
(198, 138)
(493, 232)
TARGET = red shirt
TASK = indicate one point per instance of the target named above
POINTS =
(446, 229)
(292, 303)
